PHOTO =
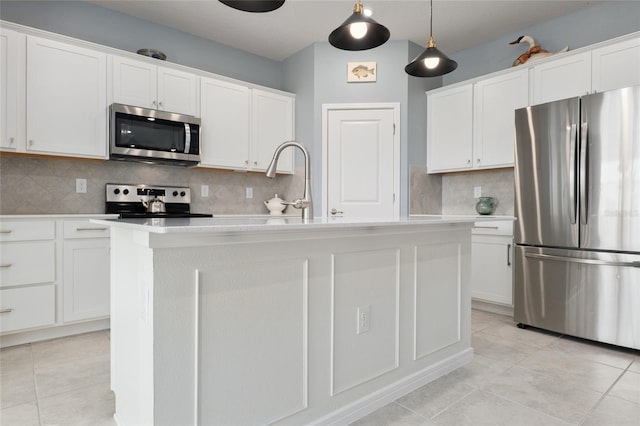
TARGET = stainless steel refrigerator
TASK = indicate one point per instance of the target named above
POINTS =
(577, 204)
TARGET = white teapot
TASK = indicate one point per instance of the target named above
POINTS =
(275, 205)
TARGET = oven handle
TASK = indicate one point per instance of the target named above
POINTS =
(583, 261)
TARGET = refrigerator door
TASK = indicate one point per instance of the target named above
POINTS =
(546, 174)
(609, 185)
(593, 295)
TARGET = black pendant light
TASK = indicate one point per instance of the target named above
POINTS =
(257, 6)
(359, 32)
(431, 62)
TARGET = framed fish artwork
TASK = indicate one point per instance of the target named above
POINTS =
(361, 72)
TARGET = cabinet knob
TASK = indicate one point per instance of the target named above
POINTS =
(31, 142)
(468, 161)
(246, 162)
(160, 103)
(11, 141)
(255, 163)
(153, 103)
(478, 161)
(334, 212)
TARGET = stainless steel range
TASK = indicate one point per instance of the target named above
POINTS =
(144, 201)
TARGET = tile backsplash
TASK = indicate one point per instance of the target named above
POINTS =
(457, 191)
(39, 185)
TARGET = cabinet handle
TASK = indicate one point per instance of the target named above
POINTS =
(508, 254)
(6, 311)
(91, 229)
(30, 142)
(11, 140)
(6, 265)
(8, 231)
(334, 212)
(468, 161)
(246, 162)
(485, 227)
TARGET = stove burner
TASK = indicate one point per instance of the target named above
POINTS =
(126, 200)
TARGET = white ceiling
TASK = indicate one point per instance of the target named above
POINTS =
(457, 24)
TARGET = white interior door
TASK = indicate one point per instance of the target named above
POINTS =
(361, 162)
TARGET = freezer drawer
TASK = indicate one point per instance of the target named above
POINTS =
(593, 295)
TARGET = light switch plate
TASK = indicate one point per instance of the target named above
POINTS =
(81, 185)
(477, 191)
(204, 190)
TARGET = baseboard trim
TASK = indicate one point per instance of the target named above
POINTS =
(496, 308)
(378, 399)
(23, 337)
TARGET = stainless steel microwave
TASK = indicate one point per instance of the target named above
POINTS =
(152, 136)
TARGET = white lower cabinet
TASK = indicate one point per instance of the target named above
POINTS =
(491, 260)
(85, 276)
(54, 278)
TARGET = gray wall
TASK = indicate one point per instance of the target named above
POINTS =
(318, 75)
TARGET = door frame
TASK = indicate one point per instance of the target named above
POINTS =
(326, 108)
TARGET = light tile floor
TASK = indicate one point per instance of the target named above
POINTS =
(518, 377)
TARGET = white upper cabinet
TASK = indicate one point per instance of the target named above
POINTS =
(12, 48)
(272, 124)
(224, 136)
(146, 85)
(450, 129)
(616, 66)
(241, 127)
(495, 100)
(562, 78)
(66, 106)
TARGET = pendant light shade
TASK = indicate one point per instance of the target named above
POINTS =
(257, 6)
(359, 32)
(431, 62)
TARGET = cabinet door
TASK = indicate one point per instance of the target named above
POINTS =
(272, 118)
(177, 91)
(11, 89)
(495, 101)
(225, 124)
(66, 99)
(491, 269)
(562, 78)
(450, 129)
(616, 66)
(134, 82)
(27, 307)
(86, 279)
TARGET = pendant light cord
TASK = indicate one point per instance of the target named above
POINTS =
(431, 19)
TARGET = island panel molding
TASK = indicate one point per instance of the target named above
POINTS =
(365, 309)
(235, 299)
(437, 325)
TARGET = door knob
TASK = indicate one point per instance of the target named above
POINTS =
(334, 212)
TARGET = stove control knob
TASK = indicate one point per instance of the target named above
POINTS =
(125, 192)
(175, 193)
(116, 191)
(182, 194)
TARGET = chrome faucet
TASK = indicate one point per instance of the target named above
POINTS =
(305, 203)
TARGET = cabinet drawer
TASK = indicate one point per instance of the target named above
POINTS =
(27, 262)
(84, 229)
(27, 231)
(494, 227)
(27, 307)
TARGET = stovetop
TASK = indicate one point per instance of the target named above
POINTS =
(127, 201)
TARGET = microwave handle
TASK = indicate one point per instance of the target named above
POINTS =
(187, 138)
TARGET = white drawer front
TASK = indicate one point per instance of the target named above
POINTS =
(493, 227)
(84, 229)
(27, 307)
(29, 262)
(27, 231)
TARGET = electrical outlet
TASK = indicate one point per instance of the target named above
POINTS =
(204, 190)
(364, 319)
(249, 192)
(477, 191)
(81, 185)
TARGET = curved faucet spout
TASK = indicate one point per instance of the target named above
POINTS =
(305, 203)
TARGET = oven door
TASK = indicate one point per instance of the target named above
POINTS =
(154, 136)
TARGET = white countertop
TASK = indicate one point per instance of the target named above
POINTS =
(279, 223)
(59, 216)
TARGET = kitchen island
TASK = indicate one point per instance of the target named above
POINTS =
(271, 320)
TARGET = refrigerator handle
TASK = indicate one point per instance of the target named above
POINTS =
(573, 142)
(584, 129)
